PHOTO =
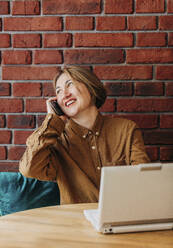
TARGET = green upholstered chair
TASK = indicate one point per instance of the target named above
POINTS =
(18, 193)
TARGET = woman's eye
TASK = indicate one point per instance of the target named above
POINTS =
(58, 91)
(69, 83)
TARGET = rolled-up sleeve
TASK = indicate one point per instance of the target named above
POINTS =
(37, 161)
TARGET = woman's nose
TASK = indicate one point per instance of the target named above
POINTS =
(66, 94)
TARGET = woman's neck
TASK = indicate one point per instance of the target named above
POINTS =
(86, 118)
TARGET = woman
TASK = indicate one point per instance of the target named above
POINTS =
(73, 147)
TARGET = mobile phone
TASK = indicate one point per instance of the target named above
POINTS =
(56, 108)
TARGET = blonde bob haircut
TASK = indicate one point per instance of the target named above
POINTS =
(89, 79)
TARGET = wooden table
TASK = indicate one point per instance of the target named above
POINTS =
(66, 227)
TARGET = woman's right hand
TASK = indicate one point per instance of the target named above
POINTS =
(51, 110)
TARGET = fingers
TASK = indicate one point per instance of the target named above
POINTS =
(48, 105)
(52, 99)
(49, 108)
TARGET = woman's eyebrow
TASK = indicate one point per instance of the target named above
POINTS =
(65, 83)
(68, 81)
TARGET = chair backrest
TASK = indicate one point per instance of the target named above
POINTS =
(18, 193)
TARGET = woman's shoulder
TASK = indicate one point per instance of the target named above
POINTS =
(119, 122)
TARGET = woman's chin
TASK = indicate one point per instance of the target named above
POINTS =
(71, 114)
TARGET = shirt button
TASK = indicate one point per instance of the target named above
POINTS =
(39, 133)
(98, 167)
(97, 133)
(93, 147)
(84, 136)
(89, 132)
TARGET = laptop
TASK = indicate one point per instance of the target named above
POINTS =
(134, 199)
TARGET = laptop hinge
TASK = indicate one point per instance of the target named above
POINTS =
(149, 167)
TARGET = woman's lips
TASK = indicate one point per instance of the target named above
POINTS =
(69, 102)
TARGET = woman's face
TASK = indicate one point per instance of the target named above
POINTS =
(72, 97)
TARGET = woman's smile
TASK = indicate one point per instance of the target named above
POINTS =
(70, 102)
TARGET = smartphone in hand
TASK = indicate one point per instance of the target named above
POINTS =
(56, 108)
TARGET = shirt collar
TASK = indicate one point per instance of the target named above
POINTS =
(84, 132)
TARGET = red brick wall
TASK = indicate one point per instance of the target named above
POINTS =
(129, 45)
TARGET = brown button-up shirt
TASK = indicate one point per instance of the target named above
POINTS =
(73, 155)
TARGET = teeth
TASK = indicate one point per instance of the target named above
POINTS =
(70, 102)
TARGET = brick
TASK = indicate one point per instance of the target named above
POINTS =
(109, 105)
(93, 56)
(17, 57)
(26, 40)
(149, 89)
(169, 89)
(103, 40)
(142, 23)
(164, 72)
(158, 137)
(145, 105)
(26, 8)
(124, 72)
(21, 136)
(2, 121)
(170, 39)
(29, 73)
(5, 40)
(54, 7)
(5, 137)
(47, 57)
(48, 89)
(166, 121)
(170, 6)
(11, 105)
(36, 105)
(15, 152)
(166, 153)
(118, 6)
(118, 88)
(4, 89)
(32, 23)
(166, 22)
(151, 39)
(3, 153)
(153, 153)
(58, 40)
(20, 121)
(4, 8)
(79, 23)
(160, 55)
(9, 167)
(145, 121)
(26, 89)
(150, 6)
(40, 119)
(108, 23)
